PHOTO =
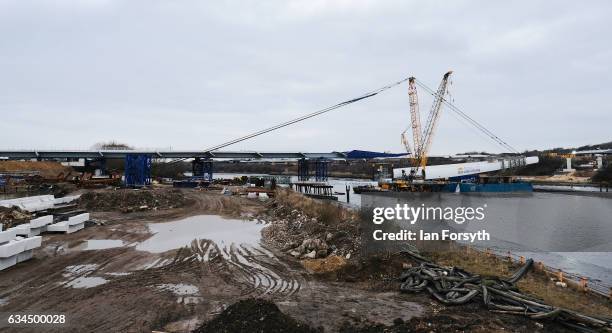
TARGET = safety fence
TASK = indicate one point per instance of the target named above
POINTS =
(568, 279)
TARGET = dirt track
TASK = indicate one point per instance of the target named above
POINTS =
(134, 297)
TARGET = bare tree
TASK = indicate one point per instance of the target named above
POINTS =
(111, 145)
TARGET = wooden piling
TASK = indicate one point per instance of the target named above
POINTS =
(583, 283)
(348, 194)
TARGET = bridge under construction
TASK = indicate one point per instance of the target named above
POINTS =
(138, 162)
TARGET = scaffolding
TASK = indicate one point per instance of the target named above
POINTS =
(137, 170)
(202, 169)
(321, 169)
(303, 172)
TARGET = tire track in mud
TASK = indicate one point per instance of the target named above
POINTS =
(255, 270)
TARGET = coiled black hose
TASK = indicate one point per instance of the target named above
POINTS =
(454, 286)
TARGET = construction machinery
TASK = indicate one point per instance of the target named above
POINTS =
(422, 140)
(448, 177)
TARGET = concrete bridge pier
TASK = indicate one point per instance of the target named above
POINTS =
(569, 165)
(599, 162)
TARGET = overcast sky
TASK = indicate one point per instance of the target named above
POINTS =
(192, 74)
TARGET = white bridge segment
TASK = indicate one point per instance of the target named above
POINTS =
(466, 169)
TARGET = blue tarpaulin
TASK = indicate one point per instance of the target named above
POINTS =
(370, 154)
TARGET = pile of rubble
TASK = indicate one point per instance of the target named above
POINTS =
(10, 217)
(254, 315)
(307, 237)
(127, 200)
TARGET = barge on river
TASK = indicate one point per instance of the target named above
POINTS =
(494, 184)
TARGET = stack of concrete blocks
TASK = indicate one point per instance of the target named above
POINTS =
(17, 243)
(31, 204)
(73, 224)
(38, 202)
(15, 249)
(35, 227)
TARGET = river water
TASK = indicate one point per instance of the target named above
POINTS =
(567, 231)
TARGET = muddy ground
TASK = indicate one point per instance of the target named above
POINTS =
(124, 289)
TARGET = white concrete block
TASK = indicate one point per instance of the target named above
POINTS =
(12, 248)
(18, 250)
(78, 219)
(41, 221)
(7, 262)
(7, 236)
(75, 228)
(32, 242)
(66, 227)
(37, 231)
(23, 256)
(58, 227)
(22, 229)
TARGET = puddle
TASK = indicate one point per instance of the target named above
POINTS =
(78, 276)
(86, 282)
(180, 289)
(218, 241)
(3, 301)
(100, 244)
(224, 232)
(118, 273)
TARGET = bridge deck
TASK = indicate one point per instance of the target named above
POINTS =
(48, 154)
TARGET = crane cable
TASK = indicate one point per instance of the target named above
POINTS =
(476, 124)
(301, 118)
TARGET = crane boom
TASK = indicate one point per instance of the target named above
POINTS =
(415, 117)
(432, 121)
(406, 144)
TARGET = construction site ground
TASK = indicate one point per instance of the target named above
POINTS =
(179, 290)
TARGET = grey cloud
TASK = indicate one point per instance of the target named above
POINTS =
(192, 74)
